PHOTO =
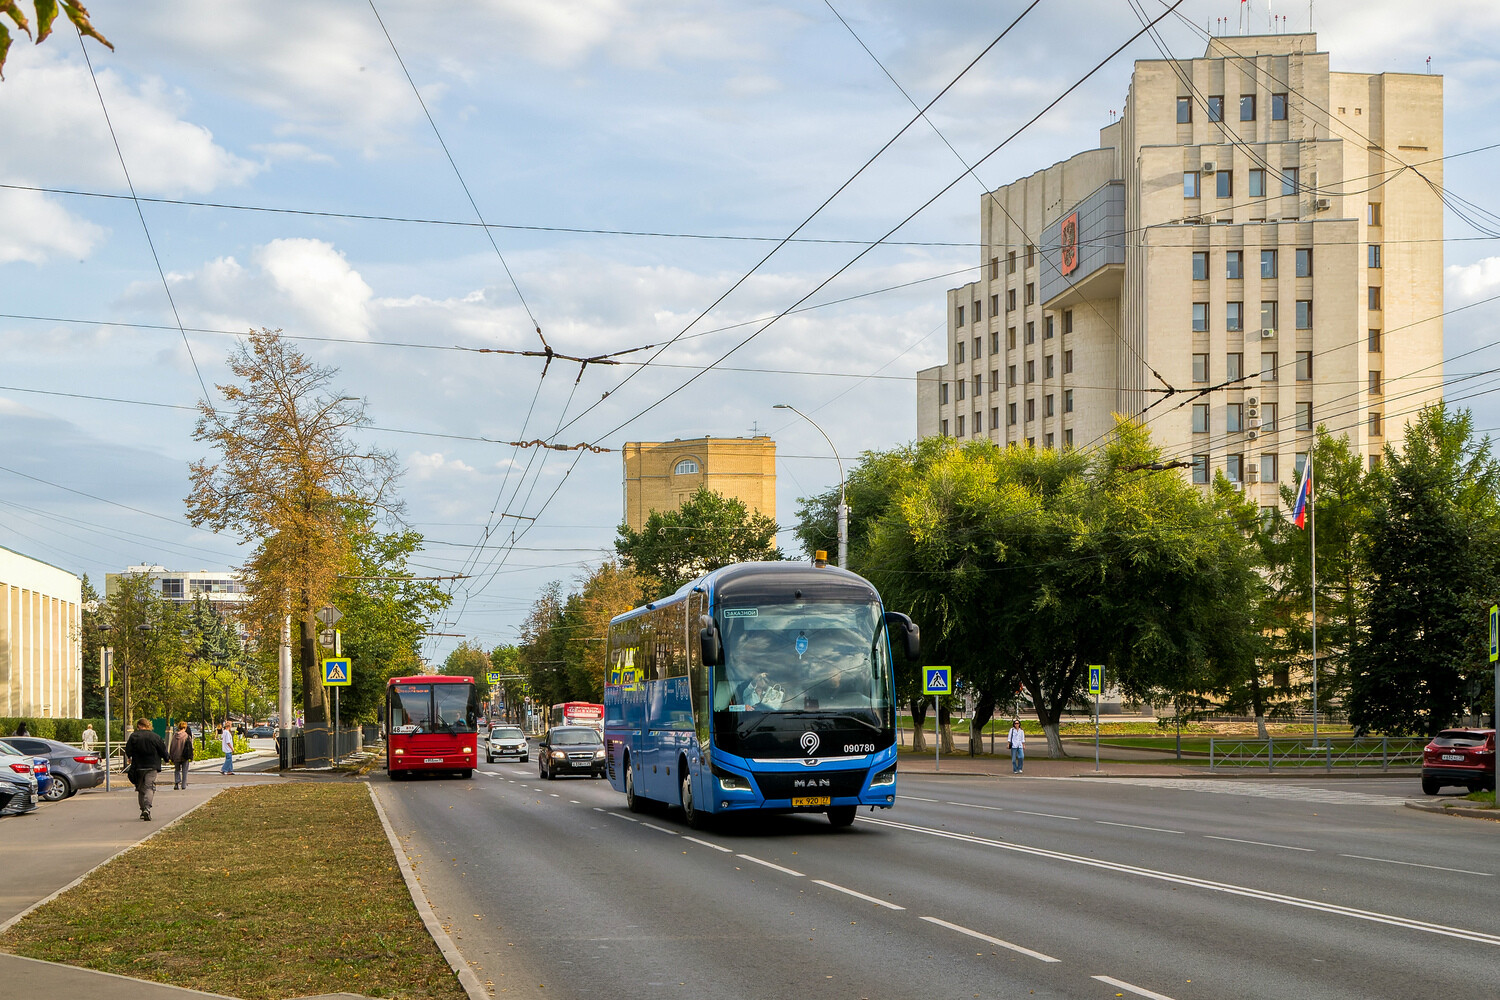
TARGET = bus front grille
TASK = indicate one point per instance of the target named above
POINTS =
(785, 785)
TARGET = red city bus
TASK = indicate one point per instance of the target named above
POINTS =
(577, 713)
(430, 725)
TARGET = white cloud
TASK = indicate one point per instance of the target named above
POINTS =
(1467, 283)
(317, 281)
(37, 228)
(429, 465)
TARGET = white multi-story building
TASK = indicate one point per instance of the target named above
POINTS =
(40, 650)
(222, 588)
(1254, 250)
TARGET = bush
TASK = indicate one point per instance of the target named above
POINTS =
(64, 730)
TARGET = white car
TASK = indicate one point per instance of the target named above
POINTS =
(507, 741)
(18, 791)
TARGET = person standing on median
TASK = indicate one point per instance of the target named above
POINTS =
(226, 740)
(89, 738)
(144, 752)
(1017, 743)
(180, 753)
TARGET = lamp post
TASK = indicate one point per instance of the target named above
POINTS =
(843, 507)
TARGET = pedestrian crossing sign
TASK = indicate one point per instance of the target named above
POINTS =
(493, 677)
(937, 680)
(336, 672)
(1096, 679)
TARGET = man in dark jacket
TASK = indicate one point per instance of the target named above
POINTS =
(144, 752)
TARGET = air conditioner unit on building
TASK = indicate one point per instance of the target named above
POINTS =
(1252, 434)
(1209, 166)
(1252, 416)
(1322, 204)
(1267, 333)
(1252, 475)
(1252, 400)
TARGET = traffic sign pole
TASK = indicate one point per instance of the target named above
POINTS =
(937, 681)
(1096, 686)
(1495, 659)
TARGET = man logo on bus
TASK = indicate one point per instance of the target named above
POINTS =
(809, 742)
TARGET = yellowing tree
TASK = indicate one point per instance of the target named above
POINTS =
(287, 475)
(46, 13)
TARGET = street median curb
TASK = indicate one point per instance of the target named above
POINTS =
(1423, 805)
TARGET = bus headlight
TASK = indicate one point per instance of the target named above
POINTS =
(886, 777)
(398, 751)
(731, 782)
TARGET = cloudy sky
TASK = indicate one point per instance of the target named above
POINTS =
(323, 169)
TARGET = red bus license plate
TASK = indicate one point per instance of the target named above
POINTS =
(432, 760)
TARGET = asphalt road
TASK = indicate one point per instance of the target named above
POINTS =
(1076, 888)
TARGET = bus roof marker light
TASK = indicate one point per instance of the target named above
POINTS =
(820, 558)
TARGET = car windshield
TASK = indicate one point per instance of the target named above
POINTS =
(574, 737)
(1459, 738)
(506, 734)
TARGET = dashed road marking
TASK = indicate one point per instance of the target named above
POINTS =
(726, 850)
(1028, 812)
(1259, 843)
(1413, 864)
(997, 942)
(1132, 826)
(653, 826)
(788, 871)
(857, 895)
(1138, 991)
(975, 805)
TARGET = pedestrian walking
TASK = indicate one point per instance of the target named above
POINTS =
(89, 738)
(144, 752)
(180, 753)
(226, 740)
(1016, 740)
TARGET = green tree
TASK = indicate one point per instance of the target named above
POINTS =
(46, 14)
(505, 659)
(468, 659)
(708, 531)
(1435, 528)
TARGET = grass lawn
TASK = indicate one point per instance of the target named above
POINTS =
(269, 892)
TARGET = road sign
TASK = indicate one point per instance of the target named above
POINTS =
(107, 664)
(937, 680)
(1096, 678)
(493, 677)
(1494, 632)
(325, 638)
(330, 615)
(336, 672)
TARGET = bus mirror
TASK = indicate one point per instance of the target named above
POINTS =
(708, 642)
(895, 619)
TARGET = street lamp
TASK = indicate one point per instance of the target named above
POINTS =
(843, 507)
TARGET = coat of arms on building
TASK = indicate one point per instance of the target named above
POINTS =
(1069, 240)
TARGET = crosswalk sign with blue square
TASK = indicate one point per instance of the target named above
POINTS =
(336, 672)
(937, 680)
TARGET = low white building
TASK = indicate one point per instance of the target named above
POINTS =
(40, 649)
(222, 588)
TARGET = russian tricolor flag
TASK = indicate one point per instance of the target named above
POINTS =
(1304, 496)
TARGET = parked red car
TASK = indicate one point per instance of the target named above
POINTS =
(1459, 757)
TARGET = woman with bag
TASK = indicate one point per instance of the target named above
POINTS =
(180, 753)
(144, 752)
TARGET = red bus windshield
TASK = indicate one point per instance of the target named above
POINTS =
(422, 707)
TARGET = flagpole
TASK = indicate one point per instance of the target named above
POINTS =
(1312, 518)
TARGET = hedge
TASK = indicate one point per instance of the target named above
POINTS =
(64, 730)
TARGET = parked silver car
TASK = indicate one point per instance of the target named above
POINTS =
(72, 768)
(507, 741)
(18, 792)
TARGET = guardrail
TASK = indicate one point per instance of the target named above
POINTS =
(1383, 752)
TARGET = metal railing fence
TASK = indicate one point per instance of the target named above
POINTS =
(1383, 752)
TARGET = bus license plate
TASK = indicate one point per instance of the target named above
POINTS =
(813, 800)
(432, 760)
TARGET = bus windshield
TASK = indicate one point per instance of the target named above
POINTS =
(433, 708)
(804, 657)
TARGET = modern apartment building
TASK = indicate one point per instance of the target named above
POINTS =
(661, 475)
(1253, 250)
(222, 588)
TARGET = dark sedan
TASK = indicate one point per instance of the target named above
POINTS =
(571, 750)
(72, 768)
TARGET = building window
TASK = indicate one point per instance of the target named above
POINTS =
(1234, 316)
(1247, 107)
(1030, 255)
(1030, 372)
(1288, 180)
(1010, 415)
(1373, 216)
(978, 313)
(1234, 367)
(1048, 408)
(1010, 375)
(1216, 108)
(1010, 338)
(977, 345)
(1234, 468)
(1268, 366)
(1190, 184)
(1375, 387)
(1067, 437)
(688, 466)
(1278, 107)
(1047, 328)
(1068, 402)
(1010, 300)
(1200, 368)
(1224, 183)
(1010, 262)
(1200, 418)
(1030, 293)
(1374, 341)
(944, 429)
(1268, 263)
(1047, 441)
(1374, 462)
(1234, 264)
(1268, 315)
(994, 418)
(995, 380)
(958, 312)
(1375, 430)
(1200, 316)
(978, 423)
(1067, 321)
(1268, 467)
(994, 305)
(171, 587)
(1030, 410)
(1374, 291)
(1200, 469)
(960, 425)
(1030, 330)
(1304, 416)
(994, 268)
(1299, 460)
(1031, 442)
(1200, 266)
(1067, 362)
(1184, 110)
(1268, 417)
(1234, 417)
(994, 341)
(1374, 254)
(978, 386)
(958, 355)
(1304, 314)
(943, 393)
(960, 385)
(1304, 366)
(1047, 369)
(1257, 183)
(1304, 262)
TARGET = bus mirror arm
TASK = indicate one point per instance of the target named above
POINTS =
(896, 619)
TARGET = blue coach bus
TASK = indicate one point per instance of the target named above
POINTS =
(758, 687)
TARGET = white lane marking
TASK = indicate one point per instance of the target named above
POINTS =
(652, 826)
(556, 796)
(1413, 864)
(918, 798)
(1027, 812)
(1258, 843)
(1336, 909)
(1132, 826)
(857, 895)
(628, 819)
(768, 864)
(726, 850)
(575, 802)
(600, 809)
(522, 774)
(1120, 984)
(992, 940)
(972, 805)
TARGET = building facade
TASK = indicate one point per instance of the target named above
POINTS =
(1254, 250)
(222, 588)
(40, 641)
(661, 475)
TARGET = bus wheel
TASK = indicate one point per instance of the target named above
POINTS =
(842, 815)
(633, 802)
(696, 818)
(397, 775)
(467, 772)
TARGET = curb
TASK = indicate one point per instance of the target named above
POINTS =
(455, 959)
(1423, 805)
(7, 925)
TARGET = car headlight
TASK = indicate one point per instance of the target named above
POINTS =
(559, 755)
(598, 754)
